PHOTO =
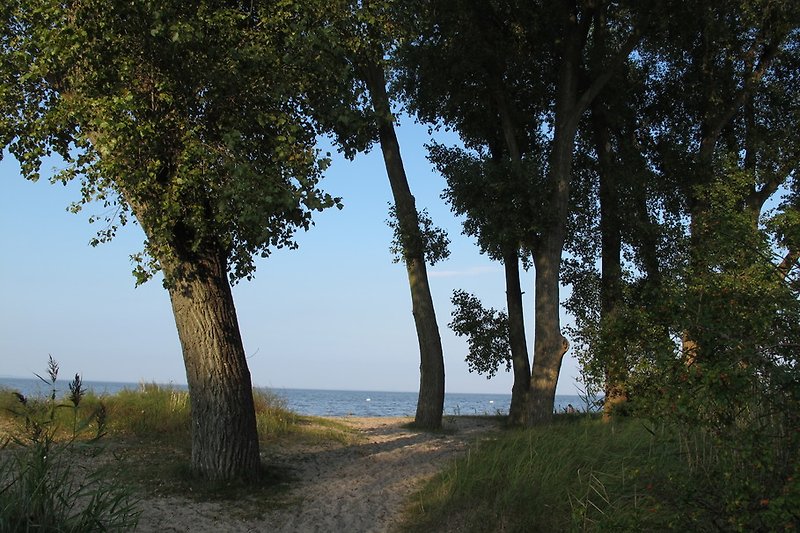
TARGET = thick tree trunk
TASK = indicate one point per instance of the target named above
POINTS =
(516, 332)
(549, 344)
(224, 436)
(430, 403)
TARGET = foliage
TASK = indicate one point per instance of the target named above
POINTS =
(434, 239)
(199, 118)
(496, 199)
(45, 484)
(580, 474)
(486, 331)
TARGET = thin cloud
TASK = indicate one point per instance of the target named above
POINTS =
(469, 272)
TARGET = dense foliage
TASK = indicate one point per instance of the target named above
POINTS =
(201, 118)
(645, 155)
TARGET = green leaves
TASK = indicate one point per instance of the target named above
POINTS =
(486, 331)
(434, 240)
(198, 118)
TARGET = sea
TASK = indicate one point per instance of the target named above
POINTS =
(320, 402)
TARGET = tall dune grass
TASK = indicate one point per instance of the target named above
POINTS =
(584, 475)
(159, 412)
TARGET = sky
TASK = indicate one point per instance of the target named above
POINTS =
(334, 314)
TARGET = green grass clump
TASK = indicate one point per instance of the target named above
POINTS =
(545, 479)
(586, 475)
(150, 412)
(49, 477)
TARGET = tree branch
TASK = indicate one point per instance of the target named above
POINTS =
(758, 197)
(600, 81)
(714, 128)
(789, 263)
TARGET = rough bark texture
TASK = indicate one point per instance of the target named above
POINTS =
(549, 344)
(224, 435)
(430, 404)
(516, 332)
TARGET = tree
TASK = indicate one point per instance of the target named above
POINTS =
(724, 127)
(491, 196)
(199, 120)
(532, 73)
(373, 31)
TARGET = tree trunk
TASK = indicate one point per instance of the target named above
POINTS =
(516, 333)
(224, 436)
(616, 369)
(549, 344)
(430, 403)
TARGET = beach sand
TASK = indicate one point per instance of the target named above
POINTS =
(343, 488)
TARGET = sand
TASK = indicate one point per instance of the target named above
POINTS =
(343, 488)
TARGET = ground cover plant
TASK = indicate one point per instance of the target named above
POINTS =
(49, 478)
(581, 474)
(84, 462)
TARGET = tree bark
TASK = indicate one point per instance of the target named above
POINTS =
(616, 369)
(516, 332)
(549, 344)
(224, 436)
(430, 403)
(224, 432)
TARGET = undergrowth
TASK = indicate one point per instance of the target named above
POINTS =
(586, 475)
(50, 479)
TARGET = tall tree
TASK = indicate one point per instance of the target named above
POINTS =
(708, 127)
(199, 120)
(724, 128)
(534, 74)
(489, 195)
(374, 30)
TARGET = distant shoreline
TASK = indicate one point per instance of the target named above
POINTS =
(317, 402)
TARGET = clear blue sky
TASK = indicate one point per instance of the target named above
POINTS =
(334, 314)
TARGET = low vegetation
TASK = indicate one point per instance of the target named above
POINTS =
(50, 478)
(83, 461)
(581, 474)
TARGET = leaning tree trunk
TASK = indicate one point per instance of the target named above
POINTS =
(224, 435)
(516, 333)
(430, 403)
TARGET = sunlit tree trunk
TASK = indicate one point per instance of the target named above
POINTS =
(430, 404)
(224, 437)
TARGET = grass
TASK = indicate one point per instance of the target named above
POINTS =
(48, 481)
(580, 474)
(147, 443)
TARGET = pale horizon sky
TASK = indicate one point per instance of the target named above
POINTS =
(334, 314)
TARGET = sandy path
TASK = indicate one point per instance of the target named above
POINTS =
(339, 488)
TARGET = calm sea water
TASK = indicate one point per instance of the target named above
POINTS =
(324, 402)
